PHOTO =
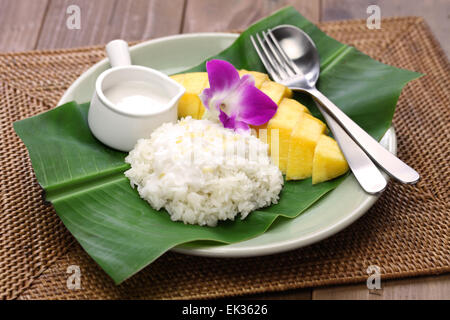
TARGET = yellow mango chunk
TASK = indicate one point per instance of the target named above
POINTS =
(328, 162)
(259, 77)
(302, 144)
(178, 78)
(275, 91)
(289, 108)
(279, 148)
(188, 106)
(190, 103)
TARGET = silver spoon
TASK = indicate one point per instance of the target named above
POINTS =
(289, 44)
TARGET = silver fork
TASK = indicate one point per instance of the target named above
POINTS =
(354, 142)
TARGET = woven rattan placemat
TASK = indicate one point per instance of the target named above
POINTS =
(406, 233)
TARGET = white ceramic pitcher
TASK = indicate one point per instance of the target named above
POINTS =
(116, 127)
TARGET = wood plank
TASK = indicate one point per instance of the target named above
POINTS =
(20, 22)
(105, 20)
(435, 12)
(436, 288)
(219, 15)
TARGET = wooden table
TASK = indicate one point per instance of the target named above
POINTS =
(41, 24)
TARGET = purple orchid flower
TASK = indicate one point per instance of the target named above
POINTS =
(235, 101)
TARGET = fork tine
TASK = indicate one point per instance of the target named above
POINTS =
(288, 60)
(265, 62)
(265, 58)
(282, 65)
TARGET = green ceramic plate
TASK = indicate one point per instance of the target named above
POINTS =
(339, 209)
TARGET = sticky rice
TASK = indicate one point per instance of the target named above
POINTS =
(201, 172)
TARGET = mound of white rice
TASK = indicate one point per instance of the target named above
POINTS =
(201, 172)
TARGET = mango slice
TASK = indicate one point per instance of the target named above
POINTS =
(190, 103)
(301, 147)
(328, 161)
(287, 108)
(276, 91)
(279, 151)
(259, 77)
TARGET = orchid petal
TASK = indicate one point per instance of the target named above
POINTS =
(256, 108)
(222, 75)
(225, 119)
(241, 126)
(235, 101)
(206, 97)
(232, 122)
(247, 80)
(231, 103)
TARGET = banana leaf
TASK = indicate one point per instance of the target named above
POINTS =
(84, 179)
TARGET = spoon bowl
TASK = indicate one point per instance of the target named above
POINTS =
(300, 48)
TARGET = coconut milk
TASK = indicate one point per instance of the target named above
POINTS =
(136, 97)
